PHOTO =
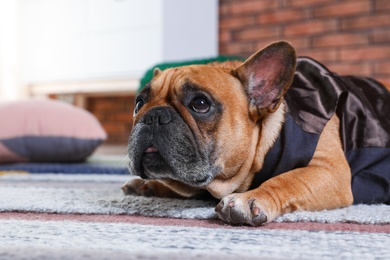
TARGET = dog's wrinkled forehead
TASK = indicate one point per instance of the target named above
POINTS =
(172, 81)
(163, 83)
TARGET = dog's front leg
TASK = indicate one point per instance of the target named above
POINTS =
(324, 184)
(310, 188)
(160, 188)
(147, 188)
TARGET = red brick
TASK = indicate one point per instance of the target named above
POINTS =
(365, 53)
(346, 8)
(385, 80)
(340, 39)
(101, 117)
(222, 49)
(307, 3)
(382, 68)
(123, 117)
(310, 27)
(280, 16)
(115, 115)
(256, 33)
(110, 103)
(253, 6)
(329, 55)
(114, 127)
(224, 36)
(261, 43)
(368, 21)
(236, 22)
(381, 36)
(240, 49)
(224, 9)
(106, 105)
(298, 43)
(364, 69)
(381, 5)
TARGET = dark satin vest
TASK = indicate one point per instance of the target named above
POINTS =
(363, 106)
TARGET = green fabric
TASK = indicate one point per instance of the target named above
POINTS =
(149, 73)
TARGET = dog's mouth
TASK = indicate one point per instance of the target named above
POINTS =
(154, 164)
(151, 149)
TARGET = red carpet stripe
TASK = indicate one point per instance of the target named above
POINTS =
(309, 226)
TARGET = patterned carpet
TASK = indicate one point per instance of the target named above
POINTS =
(69, 216)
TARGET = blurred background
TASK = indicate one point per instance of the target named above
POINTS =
(92, 53)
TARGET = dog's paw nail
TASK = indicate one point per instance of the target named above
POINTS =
(220, 205)
(135, 186)
(225, 204)
(128, 190)
(256, 211)
(143, 187)
(146, 190)
(258, 216)
(259, 219)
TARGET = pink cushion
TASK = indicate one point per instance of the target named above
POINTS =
(47, 131)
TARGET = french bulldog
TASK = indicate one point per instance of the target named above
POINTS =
(269, 136)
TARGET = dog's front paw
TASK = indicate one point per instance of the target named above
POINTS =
(237, 209)
(139, 187)
(148, 188)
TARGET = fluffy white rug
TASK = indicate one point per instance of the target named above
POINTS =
(100, 194)
(21, 239)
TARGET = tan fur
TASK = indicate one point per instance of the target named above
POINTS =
(243, 137)
(160, 188)
(324, 184)
(269, 131)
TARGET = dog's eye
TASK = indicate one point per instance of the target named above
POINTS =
(139, 103)
(200, 105)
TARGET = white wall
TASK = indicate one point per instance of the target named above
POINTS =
(190, 29)
(56, 41)
(9, 51)
(92, 39)
(84, 39)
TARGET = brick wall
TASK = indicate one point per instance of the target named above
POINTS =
(115, 114)
(348, 36)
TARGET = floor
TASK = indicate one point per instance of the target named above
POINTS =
(111, 149)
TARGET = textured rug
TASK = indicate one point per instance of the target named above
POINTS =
(94, 165)
(98, 240)
(68, 216)
(101, 194)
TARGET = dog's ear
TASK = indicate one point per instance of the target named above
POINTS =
(156, 71)
(267, 75)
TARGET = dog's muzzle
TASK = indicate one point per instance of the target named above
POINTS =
(157, 116)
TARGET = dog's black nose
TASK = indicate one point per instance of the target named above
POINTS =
(158, 116)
